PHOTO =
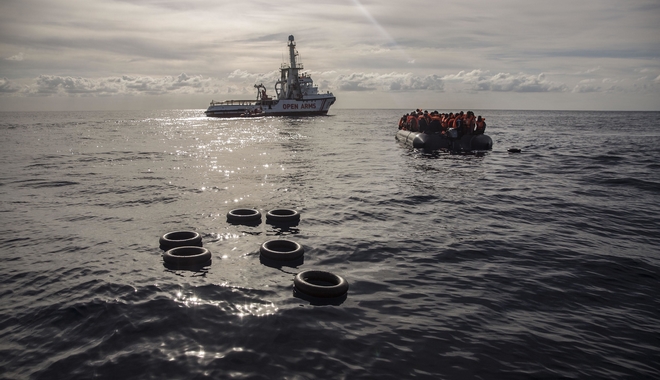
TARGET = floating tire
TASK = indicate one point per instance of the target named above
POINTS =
(281, 249)
(283, 215)
(180, 239)
(187, 256)
(318, 283)
(244, 215)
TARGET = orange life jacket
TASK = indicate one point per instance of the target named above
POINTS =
(412, 123)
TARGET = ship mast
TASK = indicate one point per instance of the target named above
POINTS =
(290, 74)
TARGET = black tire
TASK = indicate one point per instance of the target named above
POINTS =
(318, 283)
(283, 215)
(180, 239)
(244, 215)
(187, 256)
(281, 249)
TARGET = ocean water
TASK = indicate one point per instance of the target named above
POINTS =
(538, 265)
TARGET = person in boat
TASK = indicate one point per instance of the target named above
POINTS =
(450, 121)
(469, 123)
(460, 122)
(402, 122)
(444, 121)
(412, 122)
(480, 125)
(454, 129)
(434, 124)
(423, 122)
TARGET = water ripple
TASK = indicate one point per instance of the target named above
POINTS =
(541, 264)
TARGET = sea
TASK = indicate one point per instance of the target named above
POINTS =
(543, 264)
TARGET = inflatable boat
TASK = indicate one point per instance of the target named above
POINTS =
(452, 142)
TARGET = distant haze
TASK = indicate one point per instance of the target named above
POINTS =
(160, 54)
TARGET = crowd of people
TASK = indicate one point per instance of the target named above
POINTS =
(449, 124)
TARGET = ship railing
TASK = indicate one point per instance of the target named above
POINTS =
(234, 103)
(288, 66)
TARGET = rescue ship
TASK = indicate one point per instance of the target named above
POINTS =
(296, 95)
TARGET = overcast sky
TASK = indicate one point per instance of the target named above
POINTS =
(467, 54)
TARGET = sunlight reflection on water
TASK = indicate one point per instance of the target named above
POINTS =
(239, 309)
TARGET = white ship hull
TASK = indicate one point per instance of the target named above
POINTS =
(284, 107)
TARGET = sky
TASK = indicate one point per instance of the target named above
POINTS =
(379, 54)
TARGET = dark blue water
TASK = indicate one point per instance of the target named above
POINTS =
(538, 265)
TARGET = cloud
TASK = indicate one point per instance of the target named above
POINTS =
(470, 77)
(585, 86)
(413, 83)
(592, 85)
(357, 82)
(132, 85)
(7, 87)
(588, 71)
(162, 85)
(17, 57)
(481, 80)
(241, 82)
(388, 82)
(648, 84)
(248, 77)
(52, 84)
